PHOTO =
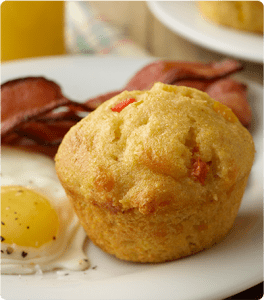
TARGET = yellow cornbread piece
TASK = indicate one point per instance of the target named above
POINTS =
(241, 15)
(162, 178)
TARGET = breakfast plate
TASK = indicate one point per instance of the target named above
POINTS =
(228, 268)
(184, 18)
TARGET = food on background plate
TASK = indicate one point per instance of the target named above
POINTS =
(31, 123)
(156, 175)
(39, 230)
(240, 15)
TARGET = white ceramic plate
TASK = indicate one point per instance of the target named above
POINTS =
(184, 18)
(226, 269)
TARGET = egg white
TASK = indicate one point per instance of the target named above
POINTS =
(36, 171)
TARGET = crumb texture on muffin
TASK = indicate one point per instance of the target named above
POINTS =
(161, 179)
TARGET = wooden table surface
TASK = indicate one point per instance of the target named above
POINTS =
(149, 33)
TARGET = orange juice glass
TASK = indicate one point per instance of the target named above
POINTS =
(31, 28)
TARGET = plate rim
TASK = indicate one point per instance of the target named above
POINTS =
(160, 11)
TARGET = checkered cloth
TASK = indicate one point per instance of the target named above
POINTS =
(88, 32)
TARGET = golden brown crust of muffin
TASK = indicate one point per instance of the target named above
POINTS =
(241, 15)
(159, 180)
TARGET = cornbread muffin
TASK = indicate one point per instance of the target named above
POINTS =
(241, 15)
(156, 175)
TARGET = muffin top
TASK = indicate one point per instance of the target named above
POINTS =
(146, 150)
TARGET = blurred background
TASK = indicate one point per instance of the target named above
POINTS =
(120, 28)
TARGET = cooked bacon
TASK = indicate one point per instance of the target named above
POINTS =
(45, 133)
(233, 94)
(60, 116)
(29, 116)
(25, 98)
(170, 72)
(24, 95)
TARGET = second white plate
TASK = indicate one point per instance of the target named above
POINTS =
(184, 18)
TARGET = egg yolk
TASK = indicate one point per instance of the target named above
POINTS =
(27, 218)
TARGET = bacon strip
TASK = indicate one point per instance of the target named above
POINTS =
(170, 72)
(234, 95)
(60, 116)
(30, 98)
(11, 123)
(45, 133)
(25, 94)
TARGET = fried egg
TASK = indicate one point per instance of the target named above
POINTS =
(39, 229)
